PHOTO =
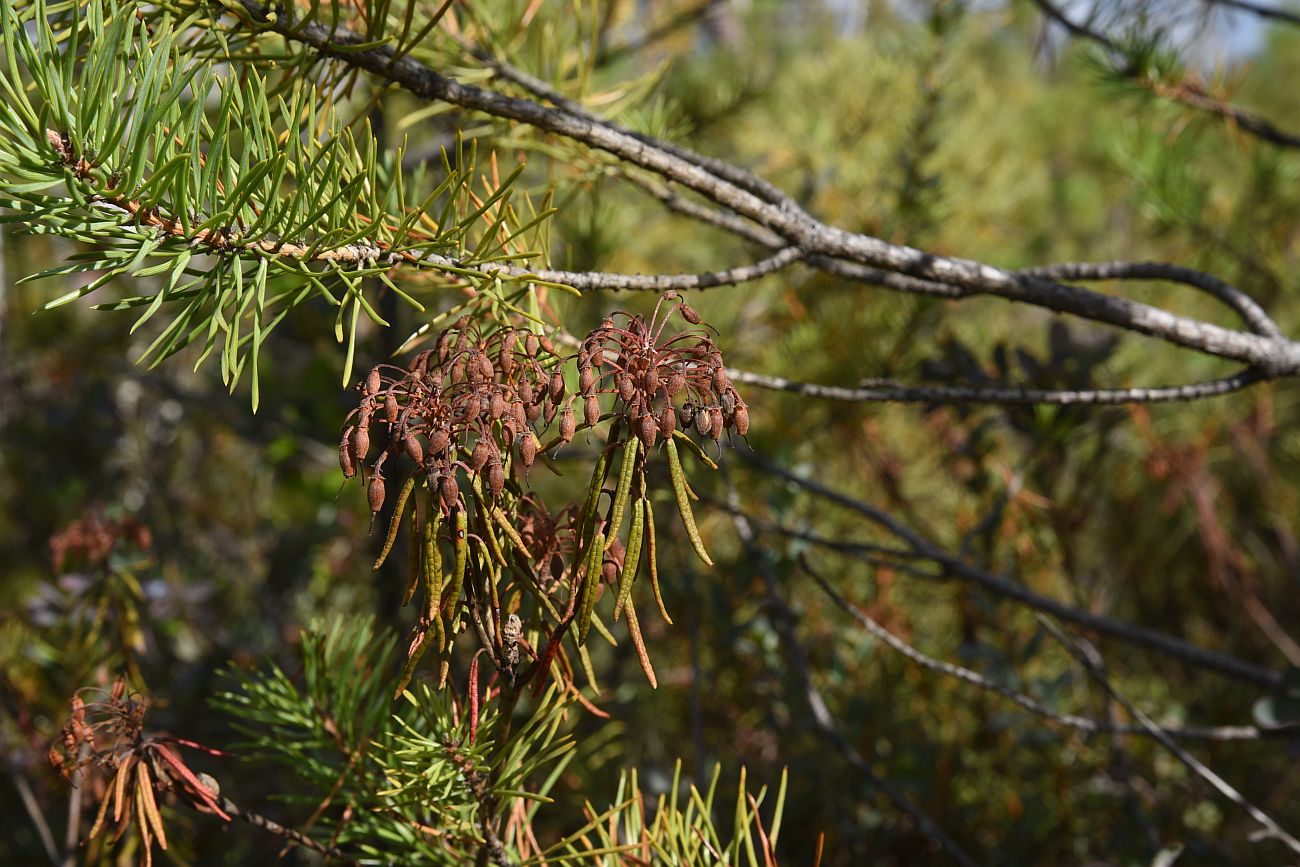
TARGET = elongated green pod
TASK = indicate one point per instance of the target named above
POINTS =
(652, 559)
(590, 583)
(511, 533)
(593, 491)
(414, 558)
(432, 566)
(460, 547)
(631, 450)
(696, 449)
(632, 559)
(395, 523)
(684, 501)
(493, 543)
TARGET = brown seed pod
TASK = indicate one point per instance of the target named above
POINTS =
(391, 409)
(347, 463)
(530, 345)
(438, 441)
(372, 381)
(741, 419)
(528, 449)
(689, 314)
(360, 443)
(534, 412)
(444, 346)
(481, 455)
(591, 410)
(496, 478)
(667, 421)
(703, 421)
(413, 448)
(485, 367)
(586, 379)
(449, 491)
(720, 381)
(497, 406)
(526, 391)
(626, 388)
(716, 424)
(557, 385)
(652, 380)
(547, 346)
(519, 415)
(375, 492)
(567, 424)
(728, 402)
(598, 355)
(676, 382)
(647, 430)
(687, 413)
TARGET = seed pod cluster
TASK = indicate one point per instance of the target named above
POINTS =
(474, 394)
(661, 380)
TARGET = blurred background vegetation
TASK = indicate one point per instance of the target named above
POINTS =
(969, 129)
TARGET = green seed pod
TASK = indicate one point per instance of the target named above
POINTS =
(684, 501)
(627, 470)
(632, 557)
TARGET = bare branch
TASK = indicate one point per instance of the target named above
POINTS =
(1089, 657)
(1270, 12)
(894, 393)
(1275, 356)
(1084, 724)
(958, 568)
(784, 620)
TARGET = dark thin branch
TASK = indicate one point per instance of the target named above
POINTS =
(893, 393)
(33, 808)
(1082, 723)
(1090, 659)
(279, 830)
(1270, 12)
(784, 620)
(959, 569)
(1277, 357)
(1184, 92)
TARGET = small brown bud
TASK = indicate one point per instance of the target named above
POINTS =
(360, 443)
(547, 346)
(413, 448)
(496, 478)
(528, 449)
(449, 491)
(689, 314)
(567, 424)
(481, 454)
(646, 430)
(438, 441)
(346, 462)
(667, 421)
(703, 422)
(375, 492)
(372, 381)
(741, 419)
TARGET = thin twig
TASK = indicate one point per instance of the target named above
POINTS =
(33, 809)
(1088, 657)
(1085, 724)
(784, 621)
(957, 568)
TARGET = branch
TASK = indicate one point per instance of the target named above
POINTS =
(784, 621)
(1089, 657)
(955, 567)
(1271, 12)
(890, 392)
(1277, 357)
(1085, 724)
(1184, 91)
